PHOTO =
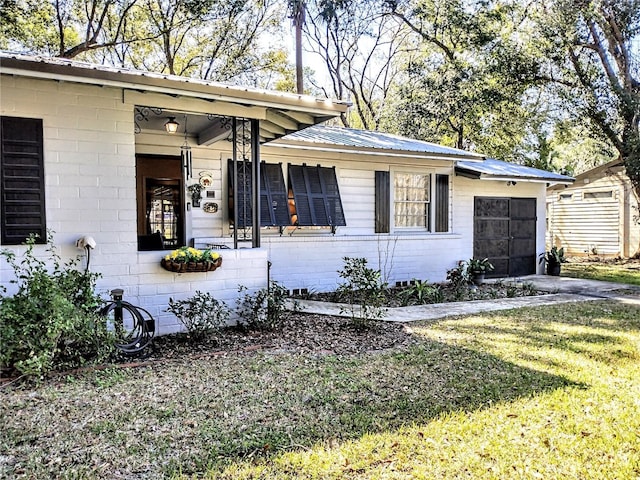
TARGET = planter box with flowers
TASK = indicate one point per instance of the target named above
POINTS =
(189, 259)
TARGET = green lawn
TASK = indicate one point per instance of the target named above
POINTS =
(611, 272)
(550, 392)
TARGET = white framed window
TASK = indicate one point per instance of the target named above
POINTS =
(412, 200)
(409, 200)
(598, 195)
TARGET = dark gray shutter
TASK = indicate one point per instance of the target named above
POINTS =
(316, 196)
(274, 203)
(442, 203)
(243, 197)
(382, 201)
(333, 203)
(274, 209)
(298, 184)
(22, 180)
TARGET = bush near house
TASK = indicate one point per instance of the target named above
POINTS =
(51, 321)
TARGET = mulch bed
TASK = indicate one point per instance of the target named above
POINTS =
(297, 333)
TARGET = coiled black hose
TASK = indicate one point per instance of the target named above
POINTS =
(134, 338)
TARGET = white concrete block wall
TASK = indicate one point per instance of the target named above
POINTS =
(313, 262)
(89, 154)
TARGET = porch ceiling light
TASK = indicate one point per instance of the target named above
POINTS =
(171, 126)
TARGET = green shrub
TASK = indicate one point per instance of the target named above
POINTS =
(421, 292)
(201, 314)
(264, 309)
(50, 322)
(364, 291)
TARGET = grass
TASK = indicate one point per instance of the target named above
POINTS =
(550, 392)
(628, 273)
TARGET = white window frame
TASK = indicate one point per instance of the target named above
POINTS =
(431, 212)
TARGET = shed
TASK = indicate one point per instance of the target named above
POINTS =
(597, 215)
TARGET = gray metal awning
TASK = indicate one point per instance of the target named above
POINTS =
(492, 169)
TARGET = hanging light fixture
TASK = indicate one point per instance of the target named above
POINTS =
(185, 154)
(171, 126)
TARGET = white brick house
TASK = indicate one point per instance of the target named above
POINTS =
(105, 166)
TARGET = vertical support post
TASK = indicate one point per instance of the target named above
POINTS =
(255, 178)
(234, 156)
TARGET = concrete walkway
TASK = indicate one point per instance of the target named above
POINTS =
(563, 290)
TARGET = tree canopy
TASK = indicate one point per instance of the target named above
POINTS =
(549, 83)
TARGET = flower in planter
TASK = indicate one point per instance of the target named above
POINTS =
(190, 254)
(189, 258)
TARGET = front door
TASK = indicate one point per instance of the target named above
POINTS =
(504, 231)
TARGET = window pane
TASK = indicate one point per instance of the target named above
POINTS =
(160, 202)
(411, 199)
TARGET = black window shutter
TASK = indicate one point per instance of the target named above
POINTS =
(383, 202)
(298, 184)
(273, 195)
(316, 195)
(442, 203)
(243, 197)
(333, 203)
(22, 180)
(273, 201)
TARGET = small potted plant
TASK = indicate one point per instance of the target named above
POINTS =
(477, 268)
(553, 259)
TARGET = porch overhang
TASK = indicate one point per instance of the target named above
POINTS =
(279, 113)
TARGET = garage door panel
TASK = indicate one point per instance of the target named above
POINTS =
(491, 207)
(500, 267)
(522, 246)
(505, 233)
(523, 229)
(499, 248)
(523, 208)
(486, 229)
(522, 266)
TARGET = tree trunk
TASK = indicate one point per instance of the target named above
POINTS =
(298, 19)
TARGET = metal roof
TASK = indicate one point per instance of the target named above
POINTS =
(492, 169)
(279, 112)
(365, 141)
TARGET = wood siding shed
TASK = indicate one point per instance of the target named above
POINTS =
(597, 215)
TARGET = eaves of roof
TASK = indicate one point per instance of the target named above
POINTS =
(492, 169)
(87, 73)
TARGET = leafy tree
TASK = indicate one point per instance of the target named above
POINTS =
(359, 47)
(467, 81)
(209, 39)
(594, 68)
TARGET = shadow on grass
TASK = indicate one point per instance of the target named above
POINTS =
(343, 398)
